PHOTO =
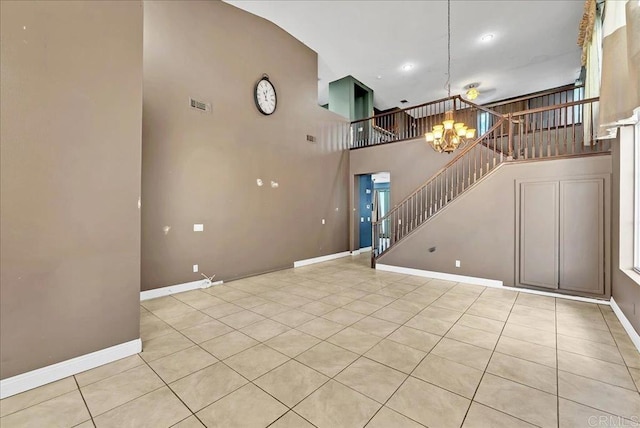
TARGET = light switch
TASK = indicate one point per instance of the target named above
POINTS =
(368, 218)
(198, 227)
(195, 268)
(361, 219)
(322, 221)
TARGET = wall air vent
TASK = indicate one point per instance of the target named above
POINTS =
(199, 105)
(311, 138)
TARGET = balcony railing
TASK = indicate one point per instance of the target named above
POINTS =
(558, 130)
(413, 122)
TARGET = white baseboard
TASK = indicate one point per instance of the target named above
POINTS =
(321, 259)
(485, 282)
(35, 378)
(626, 324)
(558, 295)
(440, 275)
(360, 251)
(178, 288)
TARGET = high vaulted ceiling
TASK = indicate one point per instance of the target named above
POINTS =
(533, 48)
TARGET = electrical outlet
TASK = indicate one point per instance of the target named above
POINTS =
(195, 268)
(198, 227)
(457, 263)
(322, 221)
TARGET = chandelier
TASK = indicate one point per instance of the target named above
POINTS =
(450, 135)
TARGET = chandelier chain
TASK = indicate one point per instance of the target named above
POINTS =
(449, 48)
(450, 134)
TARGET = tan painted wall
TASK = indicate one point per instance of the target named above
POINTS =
(410, 163)
(624, 290)
(71, 111)
(202, 168)
(478, 228)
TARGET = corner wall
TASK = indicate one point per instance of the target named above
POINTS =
(624, 290)
(70, 126)
(201, 168)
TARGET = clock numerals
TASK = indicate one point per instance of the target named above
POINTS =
(265, 96)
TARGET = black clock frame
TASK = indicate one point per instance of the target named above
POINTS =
(255, 95)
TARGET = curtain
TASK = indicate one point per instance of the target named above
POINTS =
(620, 82)
(592, 61)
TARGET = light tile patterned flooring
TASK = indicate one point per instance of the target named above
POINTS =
(341, 345)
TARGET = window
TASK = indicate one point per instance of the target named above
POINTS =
(483, 123)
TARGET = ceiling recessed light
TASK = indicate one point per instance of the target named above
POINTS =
(406, 67)
(378, 77)
(486, 38)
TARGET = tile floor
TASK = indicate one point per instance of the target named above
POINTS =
(340, 345)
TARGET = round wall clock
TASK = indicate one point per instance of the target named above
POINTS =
(265, 96)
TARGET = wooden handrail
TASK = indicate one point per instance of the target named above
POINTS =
(485, 107)
(404, 110)
(479, 107)
(460, 154)
(555, 107)
(532, 95)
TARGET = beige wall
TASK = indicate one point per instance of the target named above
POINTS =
(624, 290)
(202, 167)
(478, 228)
(70, 108)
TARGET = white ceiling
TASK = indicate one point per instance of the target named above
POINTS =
(534, 45)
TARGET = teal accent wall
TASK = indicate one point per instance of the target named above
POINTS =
(350, 98)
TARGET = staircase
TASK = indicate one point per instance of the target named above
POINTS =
(547, 132)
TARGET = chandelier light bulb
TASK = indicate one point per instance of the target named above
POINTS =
(472, 93)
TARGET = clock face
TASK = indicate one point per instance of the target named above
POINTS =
(265, 96)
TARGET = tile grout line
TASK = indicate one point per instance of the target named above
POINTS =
(420, 362)
(484, 371)
(557, 368)
(174, 393)
(84, 401)
(621, 356)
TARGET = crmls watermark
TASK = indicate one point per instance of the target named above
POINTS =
(613, 421)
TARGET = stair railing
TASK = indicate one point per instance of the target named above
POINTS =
(470, 165)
